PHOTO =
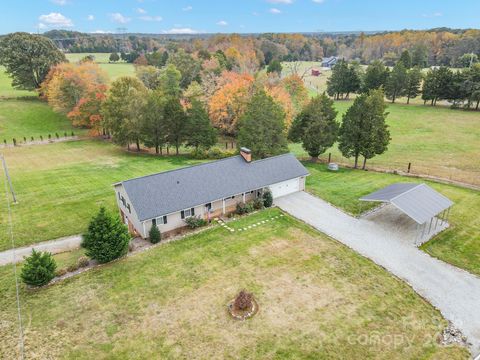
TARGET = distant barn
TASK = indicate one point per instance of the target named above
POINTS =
(316, 72)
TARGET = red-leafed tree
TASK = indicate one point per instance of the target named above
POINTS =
(87, 111)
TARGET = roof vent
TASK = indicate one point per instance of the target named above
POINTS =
(246, 154)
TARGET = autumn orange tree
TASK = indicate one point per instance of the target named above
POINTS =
(87, 112)
(67, 83)
(227, 104)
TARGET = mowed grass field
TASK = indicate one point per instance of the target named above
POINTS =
(459, 245)
(6, 89)
(114, 70)
(437, 141)
(317, 300)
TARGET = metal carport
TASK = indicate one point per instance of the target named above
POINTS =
(418, 201)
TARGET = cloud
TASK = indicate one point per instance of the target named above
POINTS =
(90, 17)
(222, 23)
(187, 8)
(101, 32)
(141, 11)
(274, 11)
(435, 14)
(182, 31)
(288, 2)
(59, 2)
(119, 18)
(55, 20)
(42, 26)
(151, 18)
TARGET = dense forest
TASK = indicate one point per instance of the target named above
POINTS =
(433, 47)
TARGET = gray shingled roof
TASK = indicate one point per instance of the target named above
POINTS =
(172, 191)
(418, 201)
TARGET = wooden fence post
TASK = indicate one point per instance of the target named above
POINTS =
(409, 166)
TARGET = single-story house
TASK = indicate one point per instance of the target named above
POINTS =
(329, 62)
(206, 190)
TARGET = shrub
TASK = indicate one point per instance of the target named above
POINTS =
(73, 267)
(14, 142)
(257, 204)
(39, 268)
(267, 198)
(243, 301)
(61, 272)
(154, 235)
(195, 222)
(106, 238)
(242, 208)
(31, 138)
(199, 154)
(83, 261)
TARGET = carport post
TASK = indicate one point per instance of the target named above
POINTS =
(448, 213)
(430, 226)
(423, 229)
(436, 222)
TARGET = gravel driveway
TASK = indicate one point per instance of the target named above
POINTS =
(53, 246)
(455, 292)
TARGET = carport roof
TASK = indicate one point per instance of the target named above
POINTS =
(419, 201)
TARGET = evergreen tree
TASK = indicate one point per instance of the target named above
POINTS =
(176, 123)
(170, 81)
(420, 56)
(106, 238)
(363, 130)
(200, 132)
(153, 125)
(267, 198)
(414, 80)
(38, 269)
(437, 85)
(343, 81)
(262, 126)
(28, 58)
(406, 59)
(154, 235)
(375, 76)
(274, 66)
(316, 126)
(396, 82)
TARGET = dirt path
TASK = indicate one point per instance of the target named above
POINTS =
(455, 292)
(54, 246)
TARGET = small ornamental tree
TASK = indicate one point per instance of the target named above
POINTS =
(154, 234)
(106, 238)
(243, 301)
(39, 269)
(267, 198)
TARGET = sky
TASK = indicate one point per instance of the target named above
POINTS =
(239, 16)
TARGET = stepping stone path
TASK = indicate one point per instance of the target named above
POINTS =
(262, 222)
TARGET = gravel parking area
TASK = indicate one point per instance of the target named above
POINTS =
(453, 291)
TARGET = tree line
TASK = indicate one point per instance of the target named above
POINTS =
(460, 87)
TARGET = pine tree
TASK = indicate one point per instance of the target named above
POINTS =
(316, 126)
(153, 125)
(154, 235)
(267, 198)
(274, 66)
(262, 126)
(176, 123)
(406, 59)
(375, 76)
(344, 80)
(38, 269)
(200, 132)
(396, 82)
(414, 80)
(106, 238)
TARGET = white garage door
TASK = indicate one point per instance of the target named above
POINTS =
(285, 188)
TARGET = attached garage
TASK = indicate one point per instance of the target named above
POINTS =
(286, 187)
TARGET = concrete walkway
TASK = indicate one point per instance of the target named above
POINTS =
(54, 246)
(455, 292)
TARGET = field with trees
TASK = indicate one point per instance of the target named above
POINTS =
(170, 302)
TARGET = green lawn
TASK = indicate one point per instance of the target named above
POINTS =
(114, 70)
(317, 299)
(6, 90)
(60, 186)
(19, 118)
(437, 141)
(459, 245)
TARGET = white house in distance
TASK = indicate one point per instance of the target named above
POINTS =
(207, 190)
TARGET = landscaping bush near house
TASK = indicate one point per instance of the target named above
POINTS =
(154, 235)
(257, 204)
(242, 208)
(195, 222)
(39, 268)
(83, 261)
(60, 272)
(73, 267)
(267, 198)
(106, 238)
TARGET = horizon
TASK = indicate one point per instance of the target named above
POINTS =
(198, 17)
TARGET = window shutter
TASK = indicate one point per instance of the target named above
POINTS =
(164, 219)
(182, 214)
(193, 211)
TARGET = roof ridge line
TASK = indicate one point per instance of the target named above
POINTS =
(413, 188)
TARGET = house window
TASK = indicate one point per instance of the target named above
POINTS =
(123, 201)
(162, 220)
(187, 213)
(208, 206)
(154, 222)
(128, 207)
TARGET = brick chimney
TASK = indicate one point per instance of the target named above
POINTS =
(246, 154)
